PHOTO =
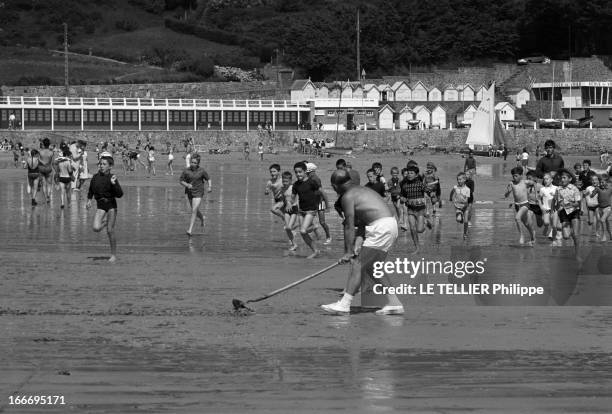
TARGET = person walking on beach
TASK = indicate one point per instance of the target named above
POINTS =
(363, 208)
(470, 163)
(63, 165)
(260, 151)
(32, 161)
(275, 186)
(247, 151)
(311, 171)
(193, 179)
(169, 168)
(105, 188)
(45, 168)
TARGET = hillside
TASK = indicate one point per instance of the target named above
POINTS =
(315, 37)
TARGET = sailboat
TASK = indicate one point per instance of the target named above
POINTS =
(486, 127)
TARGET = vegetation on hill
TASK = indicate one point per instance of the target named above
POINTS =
(317, 37)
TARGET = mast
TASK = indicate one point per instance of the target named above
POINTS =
(358, 51)
(552, 91)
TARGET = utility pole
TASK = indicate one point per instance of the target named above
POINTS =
(358, 51)
(66, 84)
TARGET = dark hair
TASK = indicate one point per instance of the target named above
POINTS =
(66, 151)
(287, 174)
(516, 170)
(530, 173)
(461, 173)
(413, 168)
(377, 165)
(404, 170)
(578, 164)
(394, 169)
(301, 165)
(341, 163)
(46, 142)
(275, 166)
(370, 170)
(110, 160)
(562, 171)
(588, 162)
(196, 156)
(550, 143)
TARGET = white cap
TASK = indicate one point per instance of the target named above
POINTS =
(310, 167)
(106, 154)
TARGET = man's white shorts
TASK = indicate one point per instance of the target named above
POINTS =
(381, 234)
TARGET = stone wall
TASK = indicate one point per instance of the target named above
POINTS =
(203, 90)
(570, 141)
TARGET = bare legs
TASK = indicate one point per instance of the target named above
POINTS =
(107, 219)
(195, 213)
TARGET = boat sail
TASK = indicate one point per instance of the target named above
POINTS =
(486, 128)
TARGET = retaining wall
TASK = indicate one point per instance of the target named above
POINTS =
(570, 140)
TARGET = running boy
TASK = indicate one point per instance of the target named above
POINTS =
(518, 188)
(307, 191)
(567, 201)
(290, 210)
(604, 193)
(546, 196)
(395, 192)
(374, 184)
(459, 196)
(533, 191)
(413, 195)
(275, 186)
(193, 179)
(106, 189)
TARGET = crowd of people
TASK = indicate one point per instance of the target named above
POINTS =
(549, 196)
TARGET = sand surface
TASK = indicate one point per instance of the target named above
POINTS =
(155, 332)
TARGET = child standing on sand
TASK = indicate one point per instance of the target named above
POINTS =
(604, 193)
(106, 189)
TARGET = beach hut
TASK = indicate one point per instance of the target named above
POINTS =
(520, 96)
(322, 91)
(386, 93)
(405, 115)
(434, 95)
(451, 93)
(468, 114)
(467, 93)
(506, 111)
(303, 90)
(357, 91)
(423, 114)
(371, 91)
(438, 117)
(419, 92)
(479, 93)
(401, 91)
(385, 117)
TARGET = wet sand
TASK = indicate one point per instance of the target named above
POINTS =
(156, 333)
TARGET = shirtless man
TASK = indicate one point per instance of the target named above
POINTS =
(45, 168)
(363, 208)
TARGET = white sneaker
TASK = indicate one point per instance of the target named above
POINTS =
(327, 241)
(336, 307)
(391, 310)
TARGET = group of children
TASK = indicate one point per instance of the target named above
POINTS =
(559, 202)
(415, 198)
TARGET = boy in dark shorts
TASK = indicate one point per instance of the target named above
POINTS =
(275, 186)
(567, 202)
(106, 189)
(311, 171)
(193, 179)
(307, 191)
(533, 191)
(290, 210)
(413, 195)
(374, 184)
(518, 189)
